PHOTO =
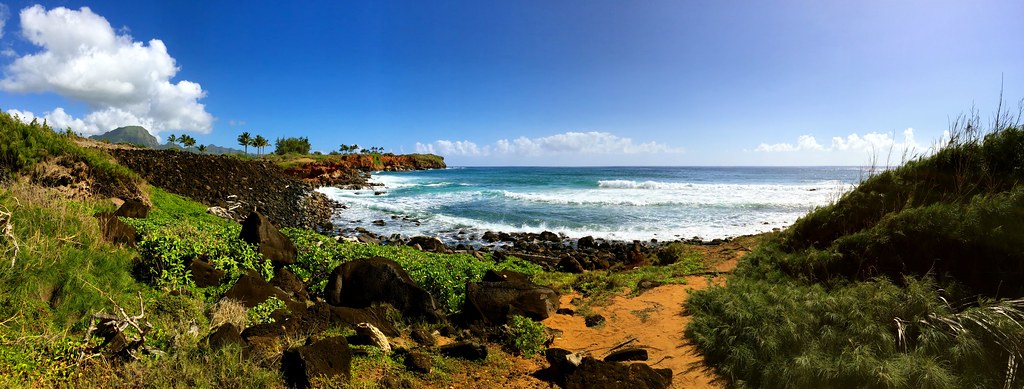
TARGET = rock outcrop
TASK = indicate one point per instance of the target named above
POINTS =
(362, 283)
(239, 186)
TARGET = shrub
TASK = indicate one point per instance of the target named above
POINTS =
(292, 146)
(525, 336)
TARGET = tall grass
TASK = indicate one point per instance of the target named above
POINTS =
(911, 280)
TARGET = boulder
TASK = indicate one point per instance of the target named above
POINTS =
(595, 374)
(362, 283)
(290, 284)
(418, 362)
(204, 274)
(116, 231)
(627, 354)
(330, 358)
(569, 264)
(562, 361)
(495, 302)
(271, 243)
(226, 334)
(464, 350)
(548, 236)
(322, 316)
(586, 242)
(134, 209)
(593, 320)
(429, 243)
(251, 290)
(423, 337)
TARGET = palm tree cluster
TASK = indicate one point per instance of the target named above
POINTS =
(259, 142)
(349, 149)
(186, 141)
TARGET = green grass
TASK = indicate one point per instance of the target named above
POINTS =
(443, 275)
(909, 281)
(22, 146)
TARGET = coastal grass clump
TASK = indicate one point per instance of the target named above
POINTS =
(911, 280)
(24, 145)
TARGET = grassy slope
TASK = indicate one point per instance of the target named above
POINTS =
(902, 283)
(63, 273)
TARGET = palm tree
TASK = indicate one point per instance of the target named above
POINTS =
(260, 142)
(245, 140)
(171, 139)
(202, 149)
(187, 141)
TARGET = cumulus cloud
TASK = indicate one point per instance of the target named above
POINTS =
(569, 143)
(873, 142)
(124, 82)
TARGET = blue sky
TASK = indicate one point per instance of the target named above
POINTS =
(523, 82)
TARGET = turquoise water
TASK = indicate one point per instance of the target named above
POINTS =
(624, 203)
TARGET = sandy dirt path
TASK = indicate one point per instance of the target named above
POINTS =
(654, 320)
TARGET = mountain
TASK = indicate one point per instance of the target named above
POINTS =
(135, 135)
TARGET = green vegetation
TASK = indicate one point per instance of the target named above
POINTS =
(284, 146)
(245, 140)
(525, 336)
(443, 275)
(911, 280)
(134, 135)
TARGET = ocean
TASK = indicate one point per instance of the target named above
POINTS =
(618, 203)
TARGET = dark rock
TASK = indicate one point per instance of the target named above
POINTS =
(204, 274)
(379, 223)
(565, 311)
(490, 237)
(251, 290)
(548, 236)
(464, 350)
(586, 242)
(271, 243)
(429, 243)
(392, 381)
(290, 284)
(627, 354)
(504, 275)
(570, 265)
(595, 374)
(419, 362)
(134, 209)
(594, 320)
(495, 302)
(366, 282)
(116, 231)
(226, 334)
(322, 316)
(563, 361)
(423, 337)
(368, 238)
(329, 358)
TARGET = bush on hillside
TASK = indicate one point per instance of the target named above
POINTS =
(292, 146)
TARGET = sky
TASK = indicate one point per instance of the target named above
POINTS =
(544, 83)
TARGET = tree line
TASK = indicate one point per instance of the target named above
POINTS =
(282, 146)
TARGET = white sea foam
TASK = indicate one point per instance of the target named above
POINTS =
(613, 209)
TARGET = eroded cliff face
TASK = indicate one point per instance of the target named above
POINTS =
(353, 171)
(239, 186)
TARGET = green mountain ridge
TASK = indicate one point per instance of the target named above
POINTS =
(136, 135)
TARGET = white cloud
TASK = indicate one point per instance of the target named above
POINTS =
(124, 82)
(564, 144)
(5, 13)
(873, 142)
(804, 142)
